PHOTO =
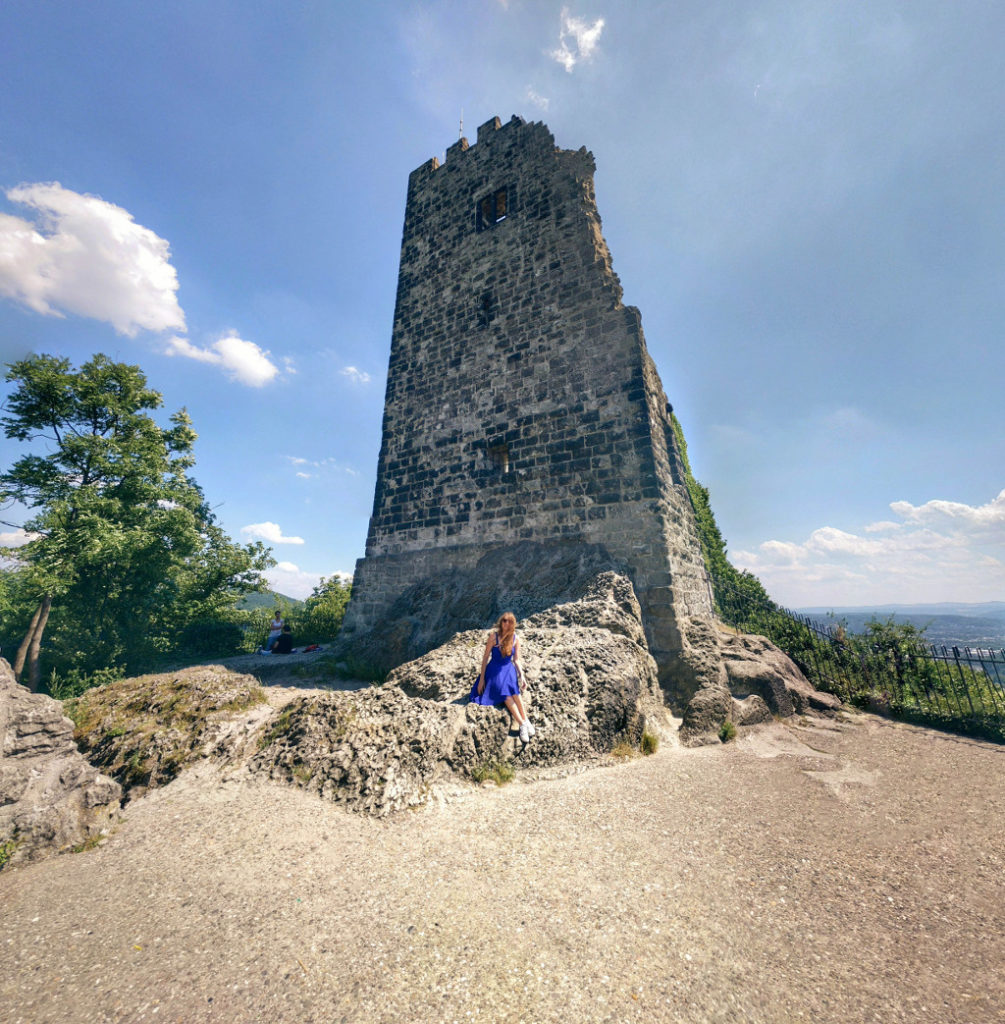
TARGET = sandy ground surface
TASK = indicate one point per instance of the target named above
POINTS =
(824, 872)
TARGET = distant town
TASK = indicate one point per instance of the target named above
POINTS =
(944, 625)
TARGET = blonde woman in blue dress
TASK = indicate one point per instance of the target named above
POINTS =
(501, 674)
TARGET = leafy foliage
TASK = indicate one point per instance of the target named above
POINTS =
(124, 542)
(728, 582)
(323, 612)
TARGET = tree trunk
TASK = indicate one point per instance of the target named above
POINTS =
(36, 642)
(22, 651)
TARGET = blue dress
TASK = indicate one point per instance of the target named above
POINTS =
(500, 679)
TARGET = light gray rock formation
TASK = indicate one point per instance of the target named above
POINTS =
(754, 665)
(51, 798)
(144, 731)
(591, 685)
(755, 681)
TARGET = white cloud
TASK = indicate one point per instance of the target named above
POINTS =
(272, 533)
(16, 538)
(241, 360)
(985, 518)
(883, 526)
(86, 256)
(534, 97)
(942, 551)
(582, 36)
(324, 466)
(287, 578)
(356, 376)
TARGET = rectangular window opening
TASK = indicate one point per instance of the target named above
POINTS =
(493, 208)
(499, 456)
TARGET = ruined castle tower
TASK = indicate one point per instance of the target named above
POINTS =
(522, 404)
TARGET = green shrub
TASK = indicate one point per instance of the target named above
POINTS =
(499, 772)
(650, 743)
(72, 683)
(7, 849)
(213, 639)
(727, 732)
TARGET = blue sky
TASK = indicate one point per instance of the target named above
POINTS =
(806, 200)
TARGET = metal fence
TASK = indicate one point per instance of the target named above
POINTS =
(894, 671)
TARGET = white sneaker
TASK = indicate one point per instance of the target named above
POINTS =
(524, 733)
(530, 727)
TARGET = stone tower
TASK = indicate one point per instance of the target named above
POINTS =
(522, 405)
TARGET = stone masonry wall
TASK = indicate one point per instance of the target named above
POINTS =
(521, 402)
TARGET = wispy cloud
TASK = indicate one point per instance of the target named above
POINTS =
(535, 98)
(321, 465)
(939, 551)
(356, 376)
(986, 519)
(577, 40)
(241, 360)
(272, 533)
(86, 256)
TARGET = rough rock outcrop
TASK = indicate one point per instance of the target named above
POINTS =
(756, 680)
(144, 730)
(754, 665)
(592, 684)
(51, 798)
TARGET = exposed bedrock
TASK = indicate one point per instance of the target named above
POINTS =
(51, 798)
(755, 682)
(591, 685)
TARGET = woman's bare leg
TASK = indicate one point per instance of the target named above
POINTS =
(515, 708)
(518, 701)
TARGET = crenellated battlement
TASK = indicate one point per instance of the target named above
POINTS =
(457, 150)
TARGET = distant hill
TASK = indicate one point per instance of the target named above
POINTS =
(270, 599)
(951, 624)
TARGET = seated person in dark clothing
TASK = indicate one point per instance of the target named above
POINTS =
(283, 644)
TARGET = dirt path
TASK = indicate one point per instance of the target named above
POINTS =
(804, 873)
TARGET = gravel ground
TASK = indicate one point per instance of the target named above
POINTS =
(824, 872)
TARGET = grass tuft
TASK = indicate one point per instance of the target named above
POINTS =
(499, 772)
(650, 743)
(727, 732)
(7, 850)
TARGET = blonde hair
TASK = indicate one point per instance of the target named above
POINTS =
(506, 640)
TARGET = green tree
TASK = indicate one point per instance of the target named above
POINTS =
(125, 550)
(323, 612)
